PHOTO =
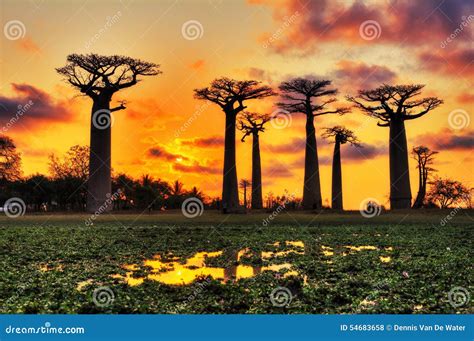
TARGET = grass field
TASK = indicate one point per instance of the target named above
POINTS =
(295, 263)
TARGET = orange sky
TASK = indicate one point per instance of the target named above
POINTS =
(264, 40)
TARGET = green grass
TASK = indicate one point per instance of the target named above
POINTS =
(435, 258)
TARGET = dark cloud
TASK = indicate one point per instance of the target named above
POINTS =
(365, 152)
(362, 76)
(31, 105)
(448, 140)
(401, 21)
(196, 168)
(214, 141)
(161, 153)
(278, 171)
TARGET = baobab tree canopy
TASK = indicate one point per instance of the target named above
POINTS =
(93, 74)
(99, 77)
(394, 102)
(341, 135)
(226, 92)
(251, 123)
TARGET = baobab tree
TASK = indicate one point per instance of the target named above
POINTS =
(244, 184)
(253, 124)
(341, 136)
(424, 158)
(392, 106)
(301, 95)
(10, 161)
(100, 77)
(230, 95)
(447, 192)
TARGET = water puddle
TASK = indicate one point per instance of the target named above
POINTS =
(173, 270)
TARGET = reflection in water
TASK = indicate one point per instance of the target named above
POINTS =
(174, 272)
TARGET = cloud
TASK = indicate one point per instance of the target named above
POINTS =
(401, 21)
(465, 98)
(278, 171)
(362, 76)
(28, 45)
(448, 140)
(295, 145)
(196, 168)
(365, 152)
(448, 61)
(213, 141)
(198, 64)
(160, 152)
(30, 105)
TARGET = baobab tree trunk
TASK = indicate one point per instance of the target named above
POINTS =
(312, 187)
(400, 192)
(257, 201)
(336, 178)
(230, 192)
(420, 197)
(99, 184)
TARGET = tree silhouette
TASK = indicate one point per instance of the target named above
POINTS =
(341, 135)
(100, 77)
(10, 161)
(424, 158)
(392, 106)
(230, 95)
(298, 97)
(253, 124)
(447, 192)
(244, 184)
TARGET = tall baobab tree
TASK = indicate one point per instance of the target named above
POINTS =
(244, 184)
(424, 158)
(341, 136)
(301, 95)
(392, 106)
(230, 95)
(100, 77)
(253, 124)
